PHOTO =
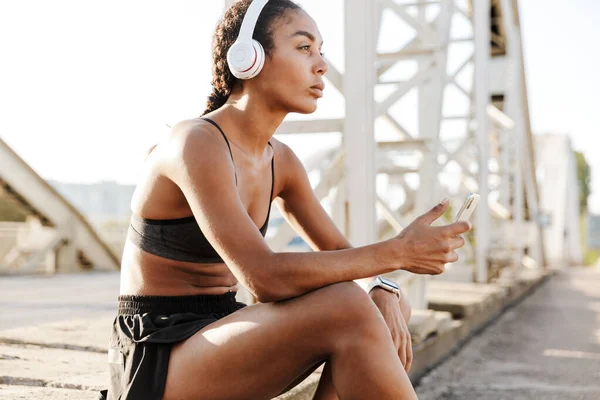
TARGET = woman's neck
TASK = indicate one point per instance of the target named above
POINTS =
(253, 123)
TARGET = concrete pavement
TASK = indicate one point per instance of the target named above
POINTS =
(548, 347)
(33, 300)
(53, 337)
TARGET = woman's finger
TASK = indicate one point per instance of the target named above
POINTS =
(451, 257)
(402, 353)
(409, 355)
(456, 242)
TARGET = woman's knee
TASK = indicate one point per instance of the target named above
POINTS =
(348, 308)
(347, 297)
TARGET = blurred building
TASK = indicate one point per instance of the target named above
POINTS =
(593, 232)
(100, 202)
(559, 198)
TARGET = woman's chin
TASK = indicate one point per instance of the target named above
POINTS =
(307, 108)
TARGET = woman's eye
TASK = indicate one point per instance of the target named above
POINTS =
(307, 47)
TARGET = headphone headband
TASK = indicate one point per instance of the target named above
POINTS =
(250, 20)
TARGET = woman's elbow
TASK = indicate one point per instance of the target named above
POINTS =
(269, 291)
(265, 298)
(266, 284)
(262, 288)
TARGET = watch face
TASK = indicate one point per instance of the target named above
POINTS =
(389, 283)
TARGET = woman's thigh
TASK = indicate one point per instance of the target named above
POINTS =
(262, 349)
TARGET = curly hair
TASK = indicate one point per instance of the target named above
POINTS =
(225, 35)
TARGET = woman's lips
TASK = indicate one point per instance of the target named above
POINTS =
(318, 89)
(317, 92)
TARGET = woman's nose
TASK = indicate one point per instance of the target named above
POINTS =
(322, 66)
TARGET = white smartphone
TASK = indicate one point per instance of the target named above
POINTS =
(467, 208)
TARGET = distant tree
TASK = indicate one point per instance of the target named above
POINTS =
(584, 176)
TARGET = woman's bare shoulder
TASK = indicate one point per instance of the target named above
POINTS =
(283, 152)
(192, 138)
(288, 166)
(195, 129)
(193, 145)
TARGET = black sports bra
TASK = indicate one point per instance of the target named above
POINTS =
(181, 239)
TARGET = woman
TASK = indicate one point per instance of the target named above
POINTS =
(200, 217)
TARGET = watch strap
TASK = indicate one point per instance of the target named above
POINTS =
(378, 282)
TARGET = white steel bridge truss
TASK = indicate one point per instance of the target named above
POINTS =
(485, 147)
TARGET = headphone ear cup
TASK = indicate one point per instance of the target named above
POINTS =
(240, 57)
(260, 60)
(242, 54)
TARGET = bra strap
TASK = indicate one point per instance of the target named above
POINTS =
(226, 141)
(272, 184)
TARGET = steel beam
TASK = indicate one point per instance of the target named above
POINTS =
(481, 15)
(359, 128)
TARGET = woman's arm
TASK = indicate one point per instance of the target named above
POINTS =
(201, 167)
(419, 248)
(303, 211)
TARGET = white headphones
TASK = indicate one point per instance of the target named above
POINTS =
(246, 57)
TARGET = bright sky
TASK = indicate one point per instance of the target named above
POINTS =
(87, 86)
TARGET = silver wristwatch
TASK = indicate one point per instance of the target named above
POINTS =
(386, 284)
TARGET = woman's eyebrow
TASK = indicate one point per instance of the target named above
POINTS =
(307, 34)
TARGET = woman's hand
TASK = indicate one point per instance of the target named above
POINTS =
(424, 249)
(390, 308)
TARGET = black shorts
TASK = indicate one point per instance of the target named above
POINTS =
(145, 329)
